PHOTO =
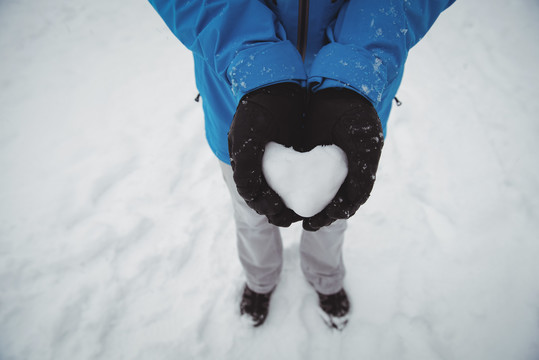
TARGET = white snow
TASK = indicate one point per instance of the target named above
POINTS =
(306, 181)
(116, 231)
(338, 323)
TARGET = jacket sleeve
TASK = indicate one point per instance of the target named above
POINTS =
(241, 41)
(369, 43)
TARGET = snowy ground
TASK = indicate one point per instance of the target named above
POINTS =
(116, 235)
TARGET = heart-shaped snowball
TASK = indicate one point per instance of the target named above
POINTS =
(307, 181)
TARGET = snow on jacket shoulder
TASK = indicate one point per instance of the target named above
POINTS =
(242, 45)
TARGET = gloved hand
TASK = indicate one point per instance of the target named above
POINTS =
(273, 113)
(348, 120)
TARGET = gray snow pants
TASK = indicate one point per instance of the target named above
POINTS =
(260, 248)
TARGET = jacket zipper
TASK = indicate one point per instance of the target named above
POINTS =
(303, 26)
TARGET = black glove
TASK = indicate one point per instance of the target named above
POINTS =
(273, 113)
(348, 120)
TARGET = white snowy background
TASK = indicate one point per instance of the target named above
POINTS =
(116, 233)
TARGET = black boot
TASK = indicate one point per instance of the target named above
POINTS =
(335, 308)
(255, 306)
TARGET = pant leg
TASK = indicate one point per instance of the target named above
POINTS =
(259, 243)
(321, 257)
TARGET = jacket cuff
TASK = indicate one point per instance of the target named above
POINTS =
(265, 65)
(338, 65)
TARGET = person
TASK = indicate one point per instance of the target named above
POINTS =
(301, 74)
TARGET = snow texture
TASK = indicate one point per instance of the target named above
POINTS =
(305, 181)
(116, 230)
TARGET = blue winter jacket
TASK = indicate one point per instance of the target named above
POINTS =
(242, 45)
